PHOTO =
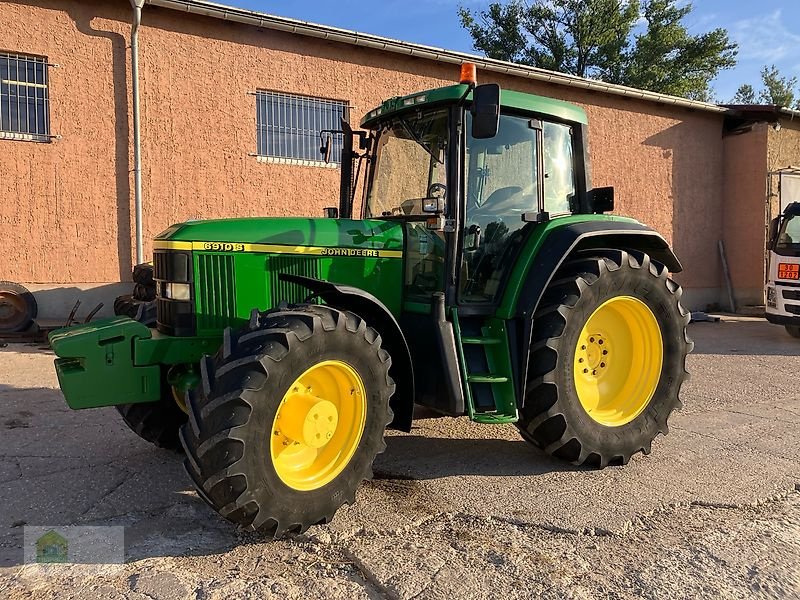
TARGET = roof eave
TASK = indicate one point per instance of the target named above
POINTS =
(345, 36)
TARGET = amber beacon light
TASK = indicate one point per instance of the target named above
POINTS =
(469, 74)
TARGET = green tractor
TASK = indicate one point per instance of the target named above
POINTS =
(481, 278)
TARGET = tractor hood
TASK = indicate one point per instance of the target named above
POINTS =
(258, 234)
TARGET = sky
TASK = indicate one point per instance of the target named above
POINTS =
(767, 31)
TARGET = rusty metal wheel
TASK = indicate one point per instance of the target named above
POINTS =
(17, 307)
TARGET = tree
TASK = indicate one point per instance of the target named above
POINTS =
(746, 94)
(639, 43)
(777, 90)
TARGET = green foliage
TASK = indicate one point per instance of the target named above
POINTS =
(777, 90)
(746, 94)
(639, 43)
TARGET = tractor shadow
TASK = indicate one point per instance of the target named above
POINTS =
(418, 457)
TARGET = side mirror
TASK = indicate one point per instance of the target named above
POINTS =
(485, 111)
(601, 200)
(774, 225)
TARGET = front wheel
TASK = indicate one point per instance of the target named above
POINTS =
(157, 422)
(608, 358)
(290, 417)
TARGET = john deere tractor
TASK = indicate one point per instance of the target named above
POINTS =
(482, 277)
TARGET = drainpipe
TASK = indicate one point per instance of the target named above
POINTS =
(137, 6)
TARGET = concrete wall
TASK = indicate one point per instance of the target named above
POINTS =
(783, 151)
(66, 207)
(744, 212)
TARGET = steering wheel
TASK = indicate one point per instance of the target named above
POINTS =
(495, 200)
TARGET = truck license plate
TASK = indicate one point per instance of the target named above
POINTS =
(788, 271)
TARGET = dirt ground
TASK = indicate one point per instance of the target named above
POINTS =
(456, 509)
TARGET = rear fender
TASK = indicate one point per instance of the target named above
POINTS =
(364, 304)
(559, 246)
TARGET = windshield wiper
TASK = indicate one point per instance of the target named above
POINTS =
(418, 139)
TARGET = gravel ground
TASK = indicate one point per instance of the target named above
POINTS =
(456, 509)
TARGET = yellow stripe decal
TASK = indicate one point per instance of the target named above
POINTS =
(166, 245)
(276, 249)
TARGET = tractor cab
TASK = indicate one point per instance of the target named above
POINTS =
(783, 283)
(466, 168)
(474, 175)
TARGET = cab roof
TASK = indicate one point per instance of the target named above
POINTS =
(509, 99)
(792, 210)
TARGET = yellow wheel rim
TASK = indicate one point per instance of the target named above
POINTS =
(618, 361)
(318, 426)
(179, 398)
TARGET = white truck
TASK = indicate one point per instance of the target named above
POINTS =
(783, 281)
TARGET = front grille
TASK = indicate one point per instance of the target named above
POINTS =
(791, 294)
(285, 291)
(792, 308)
(169, 265)
(216, 291)
(173, 317)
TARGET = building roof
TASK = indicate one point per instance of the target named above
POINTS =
(763, 112)
(741, 117)
(367, 40)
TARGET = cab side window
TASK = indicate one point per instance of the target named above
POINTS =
(559, 174)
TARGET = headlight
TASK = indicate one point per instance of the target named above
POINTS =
(177, 291)
(772, 297)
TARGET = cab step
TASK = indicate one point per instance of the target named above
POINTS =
(481, 341)
(485, 363)
(485, 378)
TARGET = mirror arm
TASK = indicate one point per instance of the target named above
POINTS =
(463, 100)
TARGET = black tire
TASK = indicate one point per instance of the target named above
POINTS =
(156, 422)
(552, 417)
(138, 310)
(143, 274)
(143, 292)
(231, 417)
(793, 330)
(18, 307)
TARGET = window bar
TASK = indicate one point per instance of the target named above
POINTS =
(16, 78)
(289, 136)
(35, 111)
(46, 102)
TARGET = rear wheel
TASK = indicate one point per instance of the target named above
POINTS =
(608, 359)
(289, 419)
(17, 307)
(793, 330)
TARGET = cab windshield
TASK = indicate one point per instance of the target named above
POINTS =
(411, 165)
(788, 238)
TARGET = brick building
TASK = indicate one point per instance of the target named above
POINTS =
(230, 104)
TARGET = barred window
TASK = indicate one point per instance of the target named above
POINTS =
(24, 103)
(288, 126)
